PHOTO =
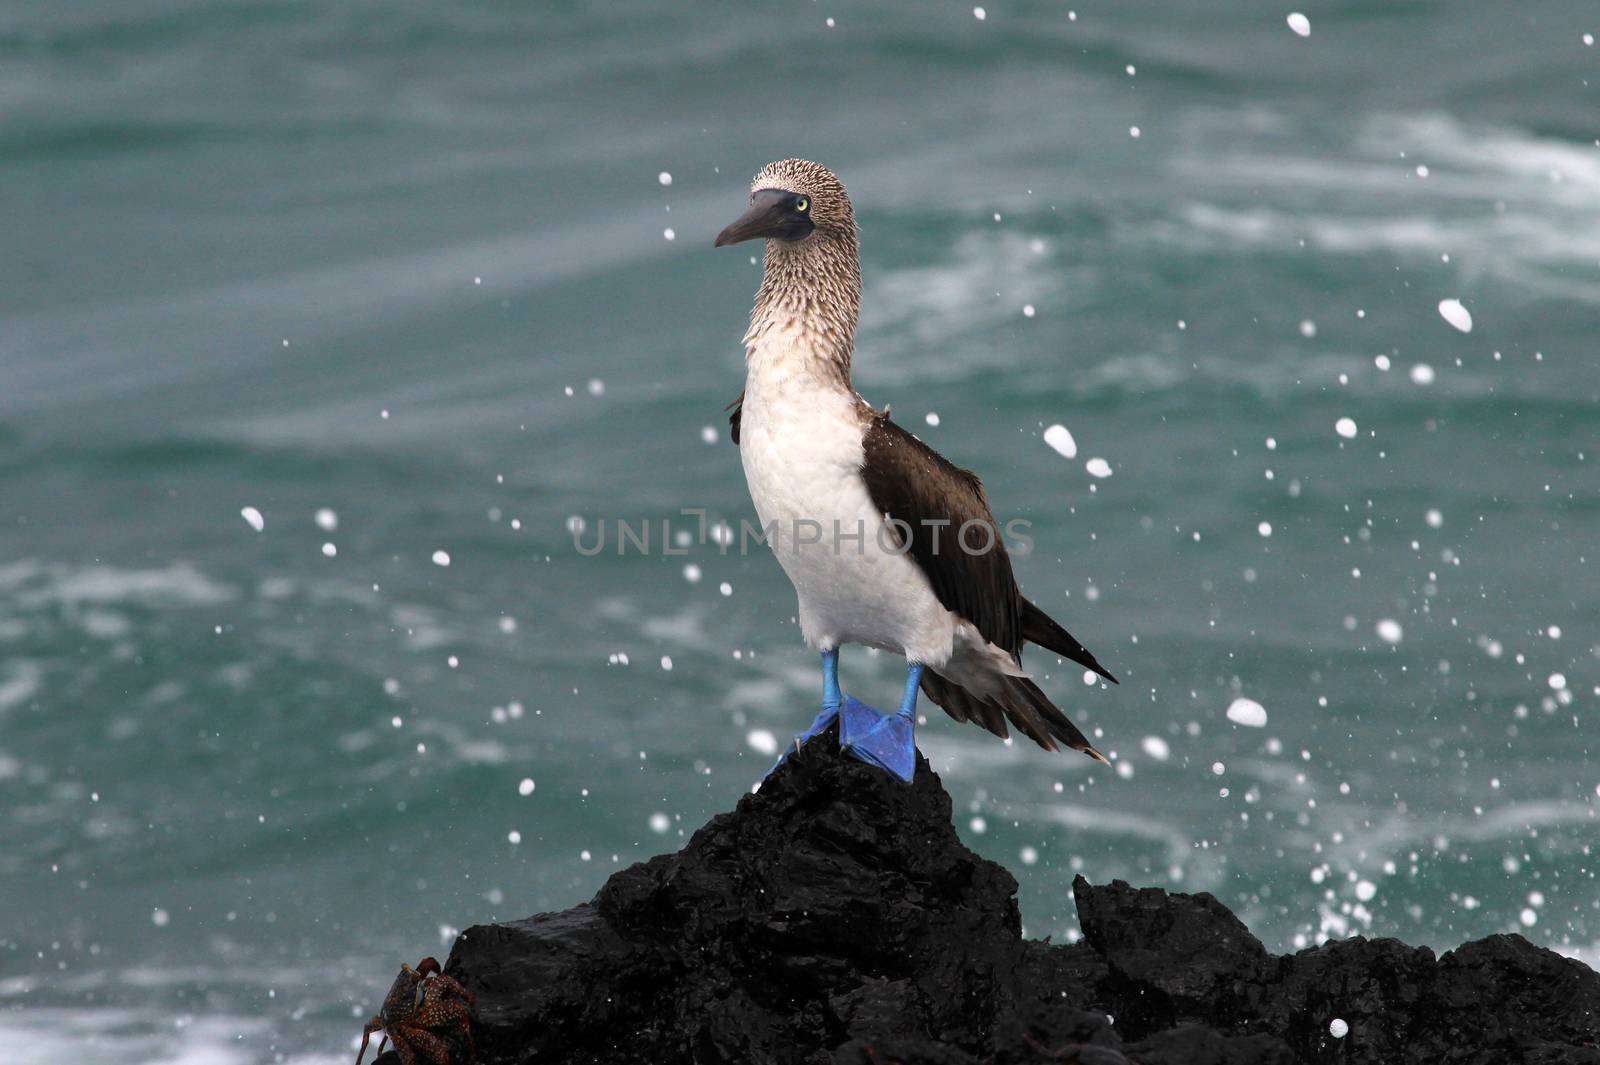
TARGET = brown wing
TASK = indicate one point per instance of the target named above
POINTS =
(930, 500)
(940, 508)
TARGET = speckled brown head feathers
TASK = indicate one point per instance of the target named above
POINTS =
(812, 284)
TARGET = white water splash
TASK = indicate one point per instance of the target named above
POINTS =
(1156, 748)
(1061, 440)
(1457, 315)
(1247, 712)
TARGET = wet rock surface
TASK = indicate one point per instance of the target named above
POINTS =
(835, 917)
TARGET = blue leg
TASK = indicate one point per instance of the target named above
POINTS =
(831, 701)
(887, 741)
(831, 696)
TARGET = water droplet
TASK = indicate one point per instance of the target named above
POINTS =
(1247, 712)
(1061, 440)
(1457, 315)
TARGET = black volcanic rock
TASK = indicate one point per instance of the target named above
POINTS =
(835, 917)
(1172, 957)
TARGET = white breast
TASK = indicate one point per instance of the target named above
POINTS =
(800, 441)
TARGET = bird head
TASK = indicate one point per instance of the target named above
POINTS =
(793, 201)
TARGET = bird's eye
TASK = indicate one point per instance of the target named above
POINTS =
(801, 204)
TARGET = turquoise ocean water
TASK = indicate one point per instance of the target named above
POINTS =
(415, 265)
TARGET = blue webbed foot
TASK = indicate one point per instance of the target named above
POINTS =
(887, 741)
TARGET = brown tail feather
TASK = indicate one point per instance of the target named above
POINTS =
(1032, 711)
(963, 705)
(1020, 700)
(1040, 628)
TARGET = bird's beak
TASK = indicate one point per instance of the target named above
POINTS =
(768, 217)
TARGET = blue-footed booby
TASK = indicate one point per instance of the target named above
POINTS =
(887, 543)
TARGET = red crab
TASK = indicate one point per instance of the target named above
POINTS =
(427, 1014)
